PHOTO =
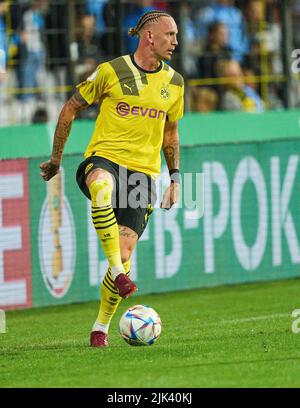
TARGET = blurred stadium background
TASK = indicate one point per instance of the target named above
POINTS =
(50, 46)
(235, 56)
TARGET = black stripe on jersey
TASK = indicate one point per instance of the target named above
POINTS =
(125, 76)
(143, 77)
(166, 67)
(176, 79)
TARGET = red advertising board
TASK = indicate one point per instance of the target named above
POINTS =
(15, 256)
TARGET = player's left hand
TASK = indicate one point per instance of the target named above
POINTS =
(171, 196)
(49, 169)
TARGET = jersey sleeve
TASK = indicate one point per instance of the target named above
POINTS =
(95, 85)
(176, 111)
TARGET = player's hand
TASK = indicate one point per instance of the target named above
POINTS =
(171, 196)
(50, 169)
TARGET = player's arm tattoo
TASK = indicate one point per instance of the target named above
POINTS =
(61, 134)
(77, 101)
(64, 124)
(171, 152)
(171, 145)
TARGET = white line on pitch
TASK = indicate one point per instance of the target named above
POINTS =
(249, 319)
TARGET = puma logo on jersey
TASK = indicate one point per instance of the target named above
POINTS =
(127, 86)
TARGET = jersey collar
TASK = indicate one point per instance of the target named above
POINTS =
(144, 70)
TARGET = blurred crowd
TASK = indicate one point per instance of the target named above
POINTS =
(231, 53)
(240, 44)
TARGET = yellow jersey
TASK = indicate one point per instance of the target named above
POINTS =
(134, 105)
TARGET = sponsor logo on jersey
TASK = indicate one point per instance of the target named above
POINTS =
(123, 109)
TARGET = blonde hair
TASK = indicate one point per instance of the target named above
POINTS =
(146, 18)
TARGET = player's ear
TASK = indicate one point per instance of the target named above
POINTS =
(150, 37)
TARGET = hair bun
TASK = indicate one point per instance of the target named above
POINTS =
(132, 31)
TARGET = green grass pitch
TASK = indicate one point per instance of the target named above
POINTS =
(233, 336)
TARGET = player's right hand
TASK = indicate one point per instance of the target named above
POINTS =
(170, 196)
(50, 169)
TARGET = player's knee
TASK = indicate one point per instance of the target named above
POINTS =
(100, 191)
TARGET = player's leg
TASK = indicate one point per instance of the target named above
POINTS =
(132, 221)
(128, 239)
(100, 185)
(109, 297)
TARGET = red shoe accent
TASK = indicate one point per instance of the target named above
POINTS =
(98, 339)
(124, 286)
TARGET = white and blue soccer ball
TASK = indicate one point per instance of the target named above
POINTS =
(140, 325)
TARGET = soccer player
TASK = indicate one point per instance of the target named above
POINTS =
(141, 101)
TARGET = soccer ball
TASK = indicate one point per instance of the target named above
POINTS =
(140, 325)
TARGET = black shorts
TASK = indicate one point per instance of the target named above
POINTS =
(133, 196)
